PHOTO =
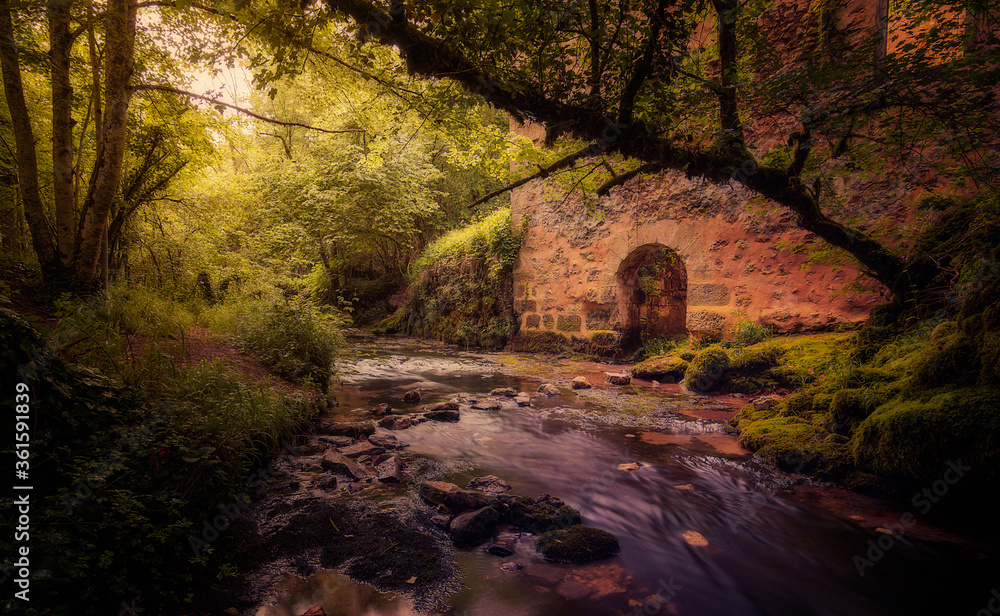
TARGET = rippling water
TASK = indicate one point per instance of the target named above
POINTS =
(703, 531)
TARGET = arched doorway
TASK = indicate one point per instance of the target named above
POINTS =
(652, 294)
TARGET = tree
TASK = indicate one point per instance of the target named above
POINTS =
(71, 251)
(629, 78)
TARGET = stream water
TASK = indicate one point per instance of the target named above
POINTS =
(704, 530)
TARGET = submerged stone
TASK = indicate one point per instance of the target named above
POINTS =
(548, 389)
(411, 396)
(443, 415)
(540, 514)
(507, 392)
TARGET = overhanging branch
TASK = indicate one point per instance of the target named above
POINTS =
(244, 111)
(565, 161)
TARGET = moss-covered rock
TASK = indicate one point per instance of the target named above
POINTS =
(797, 444)
(539, 514)
(915, 438)
(667, 368)
(707, 370)
(577, 544)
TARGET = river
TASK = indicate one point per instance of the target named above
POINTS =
(704, 529)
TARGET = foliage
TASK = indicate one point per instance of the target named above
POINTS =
(125, 477)
(463, 292)
(292, 338)
(748, 333)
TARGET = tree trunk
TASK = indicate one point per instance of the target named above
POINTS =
(881, 31)
(60, 48)
(120, 46)
(729, 109)
(24, 142)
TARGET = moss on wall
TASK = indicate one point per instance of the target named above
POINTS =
(462, 292)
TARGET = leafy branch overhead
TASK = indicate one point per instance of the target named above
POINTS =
(685, 86)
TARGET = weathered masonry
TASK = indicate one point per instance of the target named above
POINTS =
(666, 256)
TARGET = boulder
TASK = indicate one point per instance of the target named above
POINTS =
(581, 382)
(387, 441)
(473, 526)
(548, 389)
(631, 466)
(617, 378)
(577, 544)
(435, 492)
(390, 471)
(507, 392)
(412, 396)
(342, 465)
(353, 429)
(540, 514)
(380, 410)
(491, 484)
(364, 448)
(487, 405)
(523, 400)
(442, 415)
(396, 422)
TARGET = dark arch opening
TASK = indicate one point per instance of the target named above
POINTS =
(652, 294)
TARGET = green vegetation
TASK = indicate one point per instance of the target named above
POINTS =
(131, 474)
(463, 288)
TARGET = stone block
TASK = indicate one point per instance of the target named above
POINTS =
(708, 295)
(532, 321)
(599, 318)
(705, 321)
(549, 321)
(569, 323)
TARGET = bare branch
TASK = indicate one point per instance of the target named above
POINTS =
(565, 161)
(244, 111)
(618, 180)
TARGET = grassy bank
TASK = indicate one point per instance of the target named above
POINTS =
(139, 457)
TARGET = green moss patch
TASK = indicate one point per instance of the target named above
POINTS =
(577, 544)
(915, 438)
(668, 368)
(707, 369)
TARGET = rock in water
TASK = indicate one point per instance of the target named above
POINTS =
(491, 484)
(387, 441)
(473, 526)
(617, 378)
(500, 548)
(442, 406)
(631, 466)
(548, 389)
(445, 415)
(412, 396)
(488, 405)
(364, 448)
(581, 382)
(540, 514)
(345, 428)
(507, 392)
(523, 400)
(390, 471)
(577, 544)
(337, 441)
(337, 463)
(380, 410)
(396, 422)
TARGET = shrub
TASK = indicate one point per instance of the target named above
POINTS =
(748, 333)
(293, 339)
